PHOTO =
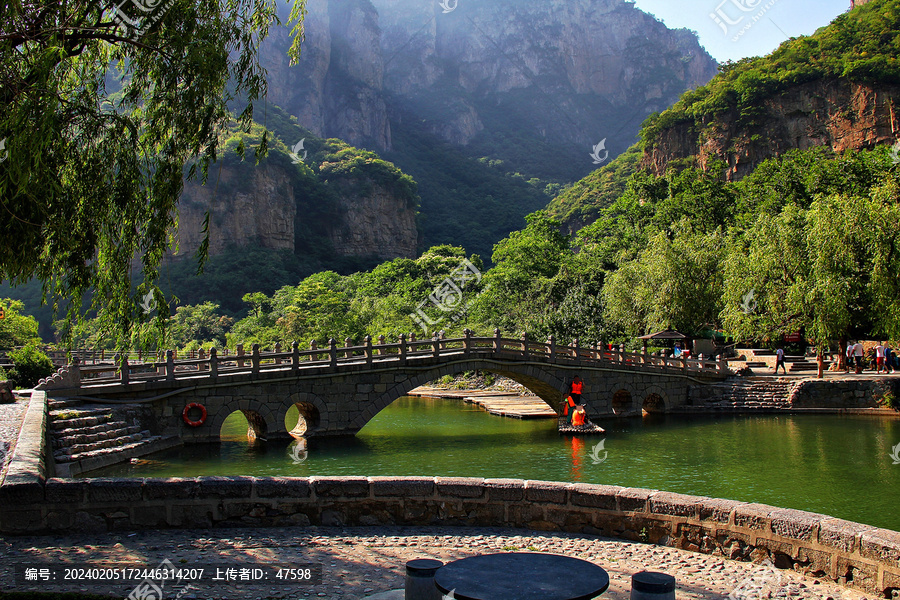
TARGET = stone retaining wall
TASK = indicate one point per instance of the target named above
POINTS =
(843, 393)
(849, 553)
(856, 555)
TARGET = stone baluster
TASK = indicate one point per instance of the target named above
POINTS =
(277, 351)
(412, 337)
(575, 347)
(467, 342)
(525, 353)
(202, 356)
(347, 343)
(313, 346)
(441, 338)
(435, 345)
(498, 345)
(381, 345)
(254, 359)
(368, 344)
(332, 353)
(403, 348)
(240, 352)
(213, 363)
(295, 356)
(124, 369)
(170, 365)
(551, 342)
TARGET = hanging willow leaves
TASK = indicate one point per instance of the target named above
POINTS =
(101, 108)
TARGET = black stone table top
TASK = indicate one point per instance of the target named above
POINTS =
(521, 576)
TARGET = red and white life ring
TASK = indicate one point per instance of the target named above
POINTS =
(190, 422)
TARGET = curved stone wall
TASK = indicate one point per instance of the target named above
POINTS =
(852, 554)
(856, 555)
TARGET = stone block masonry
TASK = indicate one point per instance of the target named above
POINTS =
(852, 554)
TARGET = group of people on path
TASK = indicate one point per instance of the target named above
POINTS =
(886, 360)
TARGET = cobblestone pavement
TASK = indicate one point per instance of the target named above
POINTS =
(361, 562)
(11, 416)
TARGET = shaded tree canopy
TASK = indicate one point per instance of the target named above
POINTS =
(103, 111)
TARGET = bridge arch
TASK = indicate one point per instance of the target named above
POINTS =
(314, 413)
(654, 400)
(260, 417)
(625, 399)
(543, 384)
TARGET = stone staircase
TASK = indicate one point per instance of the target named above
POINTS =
(742, 395)
(84, 436)
(765, 359)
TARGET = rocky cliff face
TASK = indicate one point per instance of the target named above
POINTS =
(260, 211)
(571, 70)
(837, 113)
(373, 223)
(336, 89)
(264, 205)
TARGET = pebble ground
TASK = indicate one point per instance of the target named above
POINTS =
(361, 562)
(11, 416)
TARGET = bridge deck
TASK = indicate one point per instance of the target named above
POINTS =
(173, 373)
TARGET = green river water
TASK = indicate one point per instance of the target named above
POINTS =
(836, 465)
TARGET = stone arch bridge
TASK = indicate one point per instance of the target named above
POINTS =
(339, 389)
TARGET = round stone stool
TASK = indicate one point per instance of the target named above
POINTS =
(420, 579)
(647, 585)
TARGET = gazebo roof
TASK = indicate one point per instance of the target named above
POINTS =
(668, 334)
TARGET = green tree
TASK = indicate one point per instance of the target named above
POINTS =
(31, 365)
(16, 329)
(99, 120)
(201, 323)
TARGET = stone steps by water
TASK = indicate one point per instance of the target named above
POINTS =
(80, 431)
(742, 394)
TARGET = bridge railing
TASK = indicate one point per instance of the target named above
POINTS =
(211, 365)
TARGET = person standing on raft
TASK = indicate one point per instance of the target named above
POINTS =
(575, 389)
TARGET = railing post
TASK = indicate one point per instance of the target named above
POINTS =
(347, 343)
(295, 356)
(645, 358)
(467, 342)
(332, 352)
(313, 346)
(721, 365)
(576, 344)
(402, 348)
(497, 340)
(124, 373)
(622, 353)
(201, 367)
(213, 363)
(435, 345)
(277, 351)
(368, 343)
(525, 346)
(240, 352)
(684, 363)
(412, 336)
(380, 345)
(551, 341)
(441, 338)
(254, 359)
(170, 365)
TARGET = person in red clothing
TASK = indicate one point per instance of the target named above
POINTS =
(569, 403)
(575, 389)
(579, 416)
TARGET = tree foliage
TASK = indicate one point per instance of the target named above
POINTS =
(99, 120)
